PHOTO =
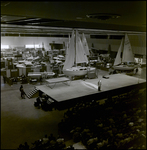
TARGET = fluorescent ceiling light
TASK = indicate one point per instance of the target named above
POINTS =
(29, 46)
(33, 46)
(5, 46)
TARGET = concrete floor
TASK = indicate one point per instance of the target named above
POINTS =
(22, 122)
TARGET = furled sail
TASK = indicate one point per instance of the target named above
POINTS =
(118, 56)
(80, 52)
(85, 44)
(70, 53)
(67, 46)
(127, 52)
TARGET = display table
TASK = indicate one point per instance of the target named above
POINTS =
(57, 80)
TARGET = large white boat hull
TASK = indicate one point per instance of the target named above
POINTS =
(75, 71)
(124, 67)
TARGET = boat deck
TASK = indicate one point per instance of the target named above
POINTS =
(82, 89)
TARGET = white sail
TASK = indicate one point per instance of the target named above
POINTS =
(118, 56)
(85, 44)
(80, 52)
(127, 52)
(70, 53)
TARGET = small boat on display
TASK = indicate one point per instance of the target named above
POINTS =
(76, 55)
(28, 64)
(127, 62)
(36, 66)
(20, 66)
(30, 58)
(23, 64)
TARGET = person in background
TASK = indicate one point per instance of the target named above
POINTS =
(38, 99)
(136, 70)
(4, 78)
(26, 146)
(45, 139)
(22, 92)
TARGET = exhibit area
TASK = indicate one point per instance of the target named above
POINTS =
(71, 81)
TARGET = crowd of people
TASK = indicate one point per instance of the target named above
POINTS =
(47, 142)
(114, 123)
(118, 123)
(43, 101)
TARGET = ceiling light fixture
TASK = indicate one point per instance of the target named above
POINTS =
(103, 16)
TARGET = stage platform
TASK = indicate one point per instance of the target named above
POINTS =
(88, 88)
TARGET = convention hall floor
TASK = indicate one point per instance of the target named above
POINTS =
(22, 122)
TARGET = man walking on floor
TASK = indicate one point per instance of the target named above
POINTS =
(22, 92)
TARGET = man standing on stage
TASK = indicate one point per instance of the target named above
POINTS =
(99, 85)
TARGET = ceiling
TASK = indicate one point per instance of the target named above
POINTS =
(54, 17)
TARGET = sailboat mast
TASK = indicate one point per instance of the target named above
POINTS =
(122, 48)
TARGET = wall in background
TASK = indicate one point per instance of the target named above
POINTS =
(138, 42)
(22, 41)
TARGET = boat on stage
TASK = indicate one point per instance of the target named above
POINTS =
(127, 62)
(75, 56)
